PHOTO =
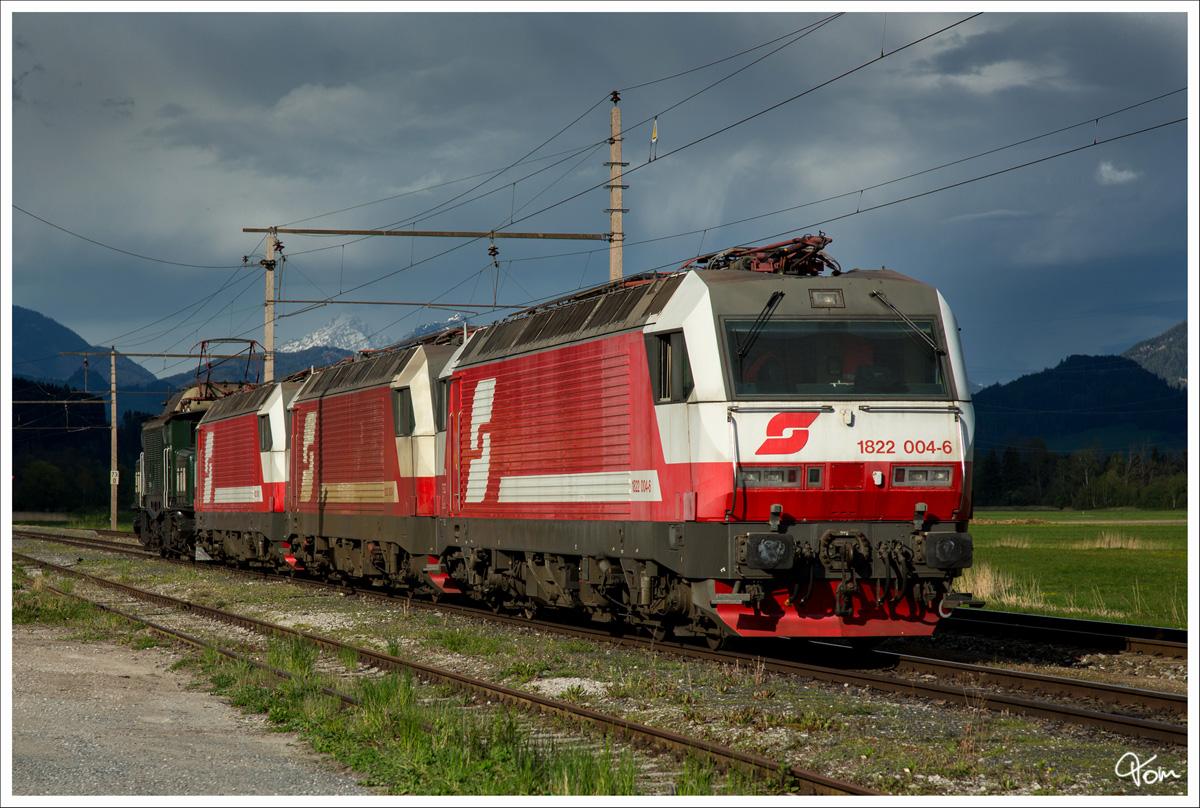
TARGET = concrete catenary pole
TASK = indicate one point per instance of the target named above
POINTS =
(269, 316)
(615, 261)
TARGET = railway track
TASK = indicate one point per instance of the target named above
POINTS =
(964, 684)
(789, 778)
(1091, 634)
(969, 693)
(961, 683)
(96, 543)
(968, 688)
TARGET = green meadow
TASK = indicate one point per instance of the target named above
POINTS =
(1120, 566)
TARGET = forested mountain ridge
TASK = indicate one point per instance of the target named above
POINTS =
(1108, 403)
(1093, 432)
(1166, 355)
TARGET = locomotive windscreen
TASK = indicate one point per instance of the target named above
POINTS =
(789, 358)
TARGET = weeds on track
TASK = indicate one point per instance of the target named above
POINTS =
(411, 740)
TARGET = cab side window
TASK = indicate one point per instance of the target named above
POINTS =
(402, 412)
(264, 433)
(670, 370)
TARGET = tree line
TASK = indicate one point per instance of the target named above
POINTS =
(61, 452)
(1027, 474)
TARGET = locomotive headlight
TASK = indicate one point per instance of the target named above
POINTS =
(826, 298)
(771, 477)
(922, 476)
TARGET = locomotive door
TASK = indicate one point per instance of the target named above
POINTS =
(454, 443)
(405, 428)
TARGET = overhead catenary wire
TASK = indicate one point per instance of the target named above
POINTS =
(490, 176)
(491, 173)
(588, 253)
(875, 186)
(860, 211)
(744, 120)
(447, 206)
(118, 249)
(854, 213)
(747, 119)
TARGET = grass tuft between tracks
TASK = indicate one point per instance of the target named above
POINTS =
(410, 739)
(33, 603)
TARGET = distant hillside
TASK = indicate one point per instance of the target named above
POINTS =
(1166, 355)
(38, 341)
(285, 365)
(1107, 402)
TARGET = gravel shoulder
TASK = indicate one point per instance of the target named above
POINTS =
(96, 718)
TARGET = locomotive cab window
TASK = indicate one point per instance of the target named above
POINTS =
(402, 412)
(670, 370)
(264, 433)
(441, 404)
(789, 358)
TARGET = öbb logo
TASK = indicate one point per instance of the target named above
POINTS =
(787, 433)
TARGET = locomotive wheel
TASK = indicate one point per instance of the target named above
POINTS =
(715, 641)
(659, 632)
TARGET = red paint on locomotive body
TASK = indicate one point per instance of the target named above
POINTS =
(343, 458)
(562, 434)
(777, 616)
(229, 469)
(240, 448)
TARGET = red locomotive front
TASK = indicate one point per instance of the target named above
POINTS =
(770, 455)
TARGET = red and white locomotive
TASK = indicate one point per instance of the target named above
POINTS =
(743, 447)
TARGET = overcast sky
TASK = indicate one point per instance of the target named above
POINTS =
(142, 144)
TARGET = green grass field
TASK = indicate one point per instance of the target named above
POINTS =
(1123, 566)
(1107, 516)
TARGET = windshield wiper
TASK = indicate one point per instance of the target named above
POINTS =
(911, 324)
(757, 326)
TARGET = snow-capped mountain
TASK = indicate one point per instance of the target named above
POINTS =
(453, 321)
(344, 331)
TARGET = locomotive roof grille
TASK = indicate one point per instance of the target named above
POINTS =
(616, 308)
(239, 403)
(504, 335)
(564, 320)
(356, 375)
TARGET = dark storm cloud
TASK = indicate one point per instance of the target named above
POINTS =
(166, 134)
(118, 107)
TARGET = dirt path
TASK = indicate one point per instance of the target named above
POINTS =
(103, 719)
